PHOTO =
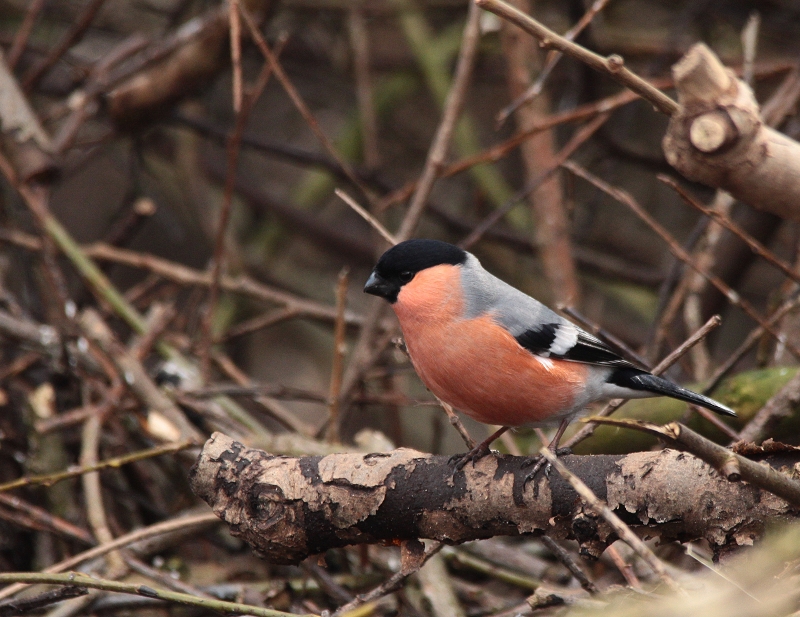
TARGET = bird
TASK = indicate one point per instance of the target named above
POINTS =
(497, 354)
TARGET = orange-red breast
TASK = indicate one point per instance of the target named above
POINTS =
(497, 354)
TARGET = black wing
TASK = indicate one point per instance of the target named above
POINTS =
(587, 348)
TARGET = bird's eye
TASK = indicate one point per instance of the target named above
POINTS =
(406, 276)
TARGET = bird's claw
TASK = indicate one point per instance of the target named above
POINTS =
(537, 462)
(473, 456)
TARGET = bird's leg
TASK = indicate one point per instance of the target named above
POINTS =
(479, 451)
(539, 461)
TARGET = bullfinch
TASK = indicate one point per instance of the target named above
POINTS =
(495, 353)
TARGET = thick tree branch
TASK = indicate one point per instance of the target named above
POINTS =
(288, 508)
(718, 138)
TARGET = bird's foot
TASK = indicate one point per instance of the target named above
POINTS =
(538, 462)
(473, 456)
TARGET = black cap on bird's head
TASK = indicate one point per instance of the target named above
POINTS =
(400, 264)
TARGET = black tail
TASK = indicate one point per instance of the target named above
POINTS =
(639, 380)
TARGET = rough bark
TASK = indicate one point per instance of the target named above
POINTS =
(289, 508)
(718, 138)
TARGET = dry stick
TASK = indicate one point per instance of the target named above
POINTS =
(24, 605)
(393, 583)
(339, 349)
(453, 105)
(552, 59)
(757, 247)
(613, 66)
(93, 495)
(158, 529)
(257, 323)
(366, 350)
(676, 249)
(501, 150)
(299, 103)
(233, 149)
(566, 559)
(170, 270)
(376, 224)
(662, 366)
(111, 463)
(359, 42)
(39, 518)
(780, 405)
(74, 35)
(83, 580)
(621, 529)
(236, 53)
(24, 32)
(624, 568)
(582, 112)
(580, 136)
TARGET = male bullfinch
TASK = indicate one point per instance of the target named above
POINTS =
(497, 354)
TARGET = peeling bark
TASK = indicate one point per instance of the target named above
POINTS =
(718, 138)
(289, 508)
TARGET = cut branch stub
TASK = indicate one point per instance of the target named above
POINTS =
(717, 137)
(289, 508)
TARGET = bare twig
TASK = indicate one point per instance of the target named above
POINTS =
(622, 530)
(178, 524)
(24, 32)
(613, 66)
(299, 103)
(393, 583)
(662, 366)
(359, 41)
(552, 59)
(83, 580)
(733, 297)
(242, 111)
(578, 139)
(718, 456)
(566, 559)
(339, 349)
(72, 36)
(112, 463)
(376, 224)
(452, 110)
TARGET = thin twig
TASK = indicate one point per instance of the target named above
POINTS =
(112, 463)
(550, 63)
(621, 529)
(453, 105)
(299, 103)
(733, 297)
(242, 111)
(376, 224)
(613, 66)
(393, 583)
(578, 139)
(24, 32)
(566, 559)
(359, 42)
(662, 366)
(757, 247)
(73, 35)
(339, 349)
(83, 580)
(181, 523)
(748, 344)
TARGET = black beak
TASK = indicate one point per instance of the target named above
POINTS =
(375, 285)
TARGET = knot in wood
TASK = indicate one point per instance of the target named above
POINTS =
(713, 131)
(615, 63)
